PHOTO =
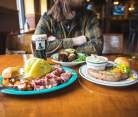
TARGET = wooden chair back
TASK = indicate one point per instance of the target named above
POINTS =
(19, 43)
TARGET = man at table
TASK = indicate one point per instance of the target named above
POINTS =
(70, 24)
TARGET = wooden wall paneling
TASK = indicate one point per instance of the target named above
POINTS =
(3, 37)
(8, 4)
(37, 9)
(9, 23)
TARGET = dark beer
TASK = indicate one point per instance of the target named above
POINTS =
(39, 45)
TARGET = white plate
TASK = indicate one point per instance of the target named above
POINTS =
(68, 64)
(122, 83)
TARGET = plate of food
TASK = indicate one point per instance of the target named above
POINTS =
(68, 57)
(36, 77)
(108, 73)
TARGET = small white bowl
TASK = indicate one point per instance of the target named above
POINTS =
(96, 62)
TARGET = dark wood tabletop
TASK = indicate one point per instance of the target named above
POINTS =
(81, 99)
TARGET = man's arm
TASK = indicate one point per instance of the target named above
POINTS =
(44, 26)
(94, 37)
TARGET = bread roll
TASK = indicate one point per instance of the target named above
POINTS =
(122, 60)
(10, 76)
(10, 72)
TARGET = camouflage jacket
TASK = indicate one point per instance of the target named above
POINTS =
(85, 23)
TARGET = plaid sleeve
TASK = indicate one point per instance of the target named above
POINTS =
(58, 44)
(94, 36)
(44, 27)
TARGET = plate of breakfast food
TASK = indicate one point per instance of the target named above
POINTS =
(68, 57)
(108, 73)
(36, 77)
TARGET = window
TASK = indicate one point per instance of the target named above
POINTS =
(29, 13)
(21, 14)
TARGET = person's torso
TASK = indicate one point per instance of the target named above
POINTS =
(75, 27)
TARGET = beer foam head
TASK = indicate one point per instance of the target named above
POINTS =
(40, 36)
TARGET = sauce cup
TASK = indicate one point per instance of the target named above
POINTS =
(96, 62)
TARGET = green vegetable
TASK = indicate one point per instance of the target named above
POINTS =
(81, 57)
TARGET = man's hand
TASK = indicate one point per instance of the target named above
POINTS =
(78, 41)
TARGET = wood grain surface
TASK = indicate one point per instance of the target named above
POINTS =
(81, 99)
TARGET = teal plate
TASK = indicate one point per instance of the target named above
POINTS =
(14, 91)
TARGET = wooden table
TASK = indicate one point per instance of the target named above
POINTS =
(81, 99)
